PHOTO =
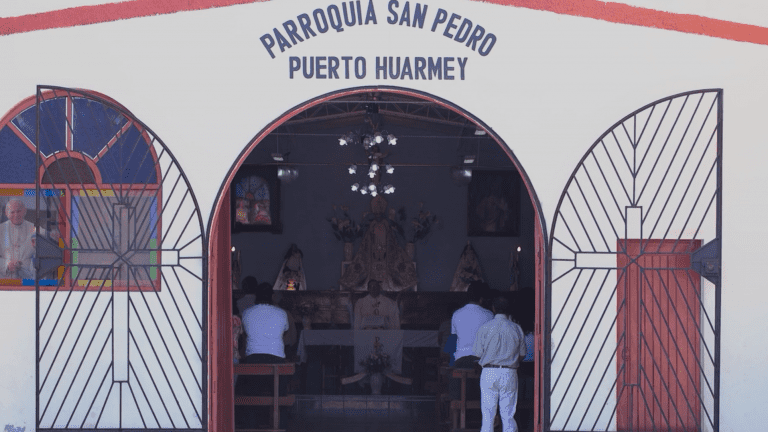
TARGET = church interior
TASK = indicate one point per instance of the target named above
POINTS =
(386, 187)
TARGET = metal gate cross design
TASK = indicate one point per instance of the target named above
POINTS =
(633, 306)
(120, 272)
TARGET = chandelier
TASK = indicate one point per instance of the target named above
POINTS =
(372, 141)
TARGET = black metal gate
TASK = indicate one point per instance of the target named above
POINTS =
(633, 307)
(120, 273)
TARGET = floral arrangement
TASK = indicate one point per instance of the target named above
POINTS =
(377, 362)
(421, 224)
(344, 228)
(307, 309)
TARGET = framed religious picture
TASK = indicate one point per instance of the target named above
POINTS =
(493, 204)
(32, 242)
(255, 200)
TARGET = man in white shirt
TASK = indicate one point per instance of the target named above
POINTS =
(500, 344)
(464, 324)
(264, 325)
(17, 247)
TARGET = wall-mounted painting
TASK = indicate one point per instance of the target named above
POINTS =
(256, 200)
(26, 251)
(493, 204)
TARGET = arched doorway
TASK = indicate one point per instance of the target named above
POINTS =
(451, 144)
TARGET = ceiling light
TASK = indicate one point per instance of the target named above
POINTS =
(461, 175)
(480, 132)
(278, 157)
(370, 138)
(469, 159)
(287, 174)
(388, 189)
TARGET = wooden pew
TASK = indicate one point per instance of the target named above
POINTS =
(459, 407)
(276, 401)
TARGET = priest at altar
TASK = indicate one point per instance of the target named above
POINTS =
(376, 311)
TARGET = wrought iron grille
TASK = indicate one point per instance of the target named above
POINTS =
(119, 274)
(633, 319)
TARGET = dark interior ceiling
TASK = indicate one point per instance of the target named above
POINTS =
(428, 133)
(394, 109)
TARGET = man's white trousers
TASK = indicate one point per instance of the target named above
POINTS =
(498, 388)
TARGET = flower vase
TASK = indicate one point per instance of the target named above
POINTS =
(377, 381)
(349, 249)
(410, 249)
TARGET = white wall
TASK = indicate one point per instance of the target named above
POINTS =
(551, 85)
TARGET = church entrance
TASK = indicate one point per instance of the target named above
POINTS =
(373, 186)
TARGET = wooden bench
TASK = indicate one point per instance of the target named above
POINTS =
(459, 407)
(276, 401)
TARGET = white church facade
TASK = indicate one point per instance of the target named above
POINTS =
(627, 141)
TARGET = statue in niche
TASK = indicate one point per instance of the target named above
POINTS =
(468, 269)
(291, 276)
(380, 256)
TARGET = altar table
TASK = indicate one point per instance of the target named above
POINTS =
(393, 341)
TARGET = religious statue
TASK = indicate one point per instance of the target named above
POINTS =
(467, 271)
(291, 276)
(376, 311)
(380, 256)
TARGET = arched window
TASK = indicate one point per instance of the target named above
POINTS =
(96, 222)
(118, 249)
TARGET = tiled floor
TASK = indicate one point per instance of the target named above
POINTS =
(363, 414)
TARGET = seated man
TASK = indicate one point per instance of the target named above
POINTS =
(464, 324)
(376, 311)
(264, 325)
(249, 286)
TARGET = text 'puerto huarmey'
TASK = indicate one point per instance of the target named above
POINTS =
(402, 68)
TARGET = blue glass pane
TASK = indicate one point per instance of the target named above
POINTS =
(53, 125)
(95, 124)
(128, 161)
(17, 164)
